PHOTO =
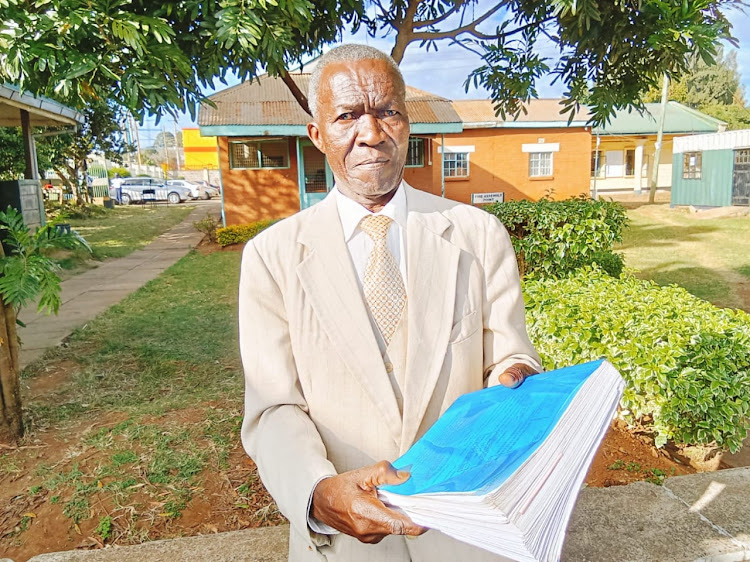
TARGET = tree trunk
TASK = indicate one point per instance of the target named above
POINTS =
(11, 421)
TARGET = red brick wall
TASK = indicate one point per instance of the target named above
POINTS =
(251, 195)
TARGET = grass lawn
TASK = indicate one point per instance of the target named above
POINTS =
(122, 230)
(708, 257)
(134, 427)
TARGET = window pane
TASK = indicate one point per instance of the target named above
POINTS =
(244, 155)
(456, 165)
(273, 154)
(415, 155)
(691, 165)
(630, 162)
(540, 164)
(597, 163)
(258, 154)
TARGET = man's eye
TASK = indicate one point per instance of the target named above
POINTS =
(390, 113)
(346, 116)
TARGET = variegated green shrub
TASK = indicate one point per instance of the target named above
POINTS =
(686, 362)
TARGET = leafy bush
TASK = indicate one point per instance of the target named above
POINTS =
(553, 238)
(241, 233)
(208, 225)
(122, 172)
(58, 212)
(686, 362)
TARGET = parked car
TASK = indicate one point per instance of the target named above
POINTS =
(131, 191)
(211, 190)
(198, 189)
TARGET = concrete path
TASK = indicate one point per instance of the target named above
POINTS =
(92, 292)
(696, 518)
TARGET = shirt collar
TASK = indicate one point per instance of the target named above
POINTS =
(351, 213)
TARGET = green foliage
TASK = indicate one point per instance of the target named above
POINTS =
(686, 362)
(241, 233)
(553, 238)
(154, 56)
(27, 273)
(208, 226)
(121, 172)
(713, 87)
(104, 528)
(62, 212)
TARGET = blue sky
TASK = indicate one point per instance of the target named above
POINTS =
(444, 74)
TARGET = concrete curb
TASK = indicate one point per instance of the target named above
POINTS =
(696, 518)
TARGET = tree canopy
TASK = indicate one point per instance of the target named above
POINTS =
(715, 89)
(155, 57)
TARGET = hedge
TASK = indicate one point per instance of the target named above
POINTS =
(241, 233)
(686, 362)
(554, 238)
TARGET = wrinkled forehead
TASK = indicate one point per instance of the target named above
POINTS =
(369, 81)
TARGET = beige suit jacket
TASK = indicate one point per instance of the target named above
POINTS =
(318, 400)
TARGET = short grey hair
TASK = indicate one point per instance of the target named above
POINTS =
(351, 52)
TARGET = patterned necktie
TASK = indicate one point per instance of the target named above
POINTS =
(383, 285)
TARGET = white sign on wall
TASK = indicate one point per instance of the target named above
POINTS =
(484, 198)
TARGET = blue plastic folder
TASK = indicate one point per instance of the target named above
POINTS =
(486, 435)
(501, 468)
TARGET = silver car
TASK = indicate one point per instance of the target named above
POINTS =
(139, 190)
(198, 189)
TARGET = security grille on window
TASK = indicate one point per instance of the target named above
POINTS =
(258, 154)
(540, 164)
(456, 164)
(415, 155)
(691, 165)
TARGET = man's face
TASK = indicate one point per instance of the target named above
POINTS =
(362, 128)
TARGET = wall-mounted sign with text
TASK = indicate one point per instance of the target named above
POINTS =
(485, 198)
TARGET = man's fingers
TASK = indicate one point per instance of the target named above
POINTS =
(381, 474)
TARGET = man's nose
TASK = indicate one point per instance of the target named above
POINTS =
(370, 131)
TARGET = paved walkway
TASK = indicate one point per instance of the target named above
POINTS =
(92, 292)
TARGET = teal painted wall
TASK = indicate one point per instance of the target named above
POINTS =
(714, 189)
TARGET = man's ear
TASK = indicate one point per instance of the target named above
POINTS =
(314, 133)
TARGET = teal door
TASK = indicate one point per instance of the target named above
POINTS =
(315, 177)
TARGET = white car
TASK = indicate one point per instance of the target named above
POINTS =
(198, 189)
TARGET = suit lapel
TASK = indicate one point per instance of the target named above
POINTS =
(329, 280)
(432, 264)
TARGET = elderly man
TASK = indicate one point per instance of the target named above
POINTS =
(362, 319)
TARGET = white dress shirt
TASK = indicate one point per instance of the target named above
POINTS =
(360, 244)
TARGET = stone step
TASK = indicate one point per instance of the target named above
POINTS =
(701, 518)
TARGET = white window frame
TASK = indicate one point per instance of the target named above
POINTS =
(536, 169)
(454, 163)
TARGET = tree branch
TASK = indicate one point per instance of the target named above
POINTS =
(437, 20)
(404, 31)
(471, 30)
(296, 92)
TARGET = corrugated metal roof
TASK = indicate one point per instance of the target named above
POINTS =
(268, 101)
(482, 113)
(728, 140)
(42, 111)
(678, 119)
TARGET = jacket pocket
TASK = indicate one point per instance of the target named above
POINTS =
(465, 327)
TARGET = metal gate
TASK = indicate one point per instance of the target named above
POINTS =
(741, 185)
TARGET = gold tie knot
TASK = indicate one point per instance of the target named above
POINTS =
(376, 226)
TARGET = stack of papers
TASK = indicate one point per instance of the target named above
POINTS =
(501, 469)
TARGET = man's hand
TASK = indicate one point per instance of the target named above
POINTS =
(349, 502)
(514, 375)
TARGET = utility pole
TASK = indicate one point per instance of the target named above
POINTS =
(659, 137)
(176, 148)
